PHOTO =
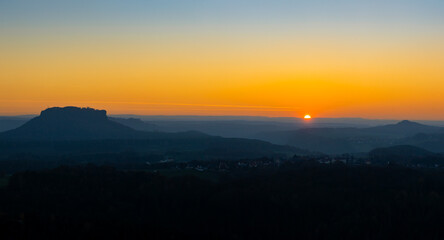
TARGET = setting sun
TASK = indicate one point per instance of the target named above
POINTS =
(176, 118)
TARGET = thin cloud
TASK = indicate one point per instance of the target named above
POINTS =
(258, 107)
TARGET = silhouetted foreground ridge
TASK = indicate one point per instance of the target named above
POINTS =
(302, 201)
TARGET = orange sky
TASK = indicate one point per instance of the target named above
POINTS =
(327, 71)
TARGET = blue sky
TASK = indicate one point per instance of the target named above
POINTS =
(81, 12)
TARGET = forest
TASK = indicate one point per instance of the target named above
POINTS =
(298, 200)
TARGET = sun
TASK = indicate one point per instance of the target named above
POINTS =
(307, 117)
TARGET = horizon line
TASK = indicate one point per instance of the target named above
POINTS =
(240, 116)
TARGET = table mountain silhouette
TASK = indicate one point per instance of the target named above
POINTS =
(71, 123)
(86, 130)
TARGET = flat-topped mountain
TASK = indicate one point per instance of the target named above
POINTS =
(73, 113)
(71, 123)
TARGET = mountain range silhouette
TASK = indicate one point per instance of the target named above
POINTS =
(73, 123)
(86, 130)
(348, 140)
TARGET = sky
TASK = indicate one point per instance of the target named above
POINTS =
(371, 59)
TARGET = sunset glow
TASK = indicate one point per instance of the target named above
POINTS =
(351, 59)
(222, 119)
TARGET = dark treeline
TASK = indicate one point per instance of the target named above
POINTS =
(36, 155)
(34, 162)
(301, 200)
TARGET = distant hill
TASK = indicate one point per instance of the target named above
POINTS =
(216, 126)
(71, 123)
(401, 151)
(240, 126)
(351, 140)
(9, 123)
(224, 128)
(136, 124)
(431, 141)
(405, 154)
(405, 128)
(315, 122)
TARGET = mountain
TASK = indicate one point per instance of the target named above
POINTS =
(72, 130)
(71, 123)
(351, 140)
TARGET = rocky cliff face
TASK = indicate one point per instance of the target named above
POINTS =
(73, 113)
